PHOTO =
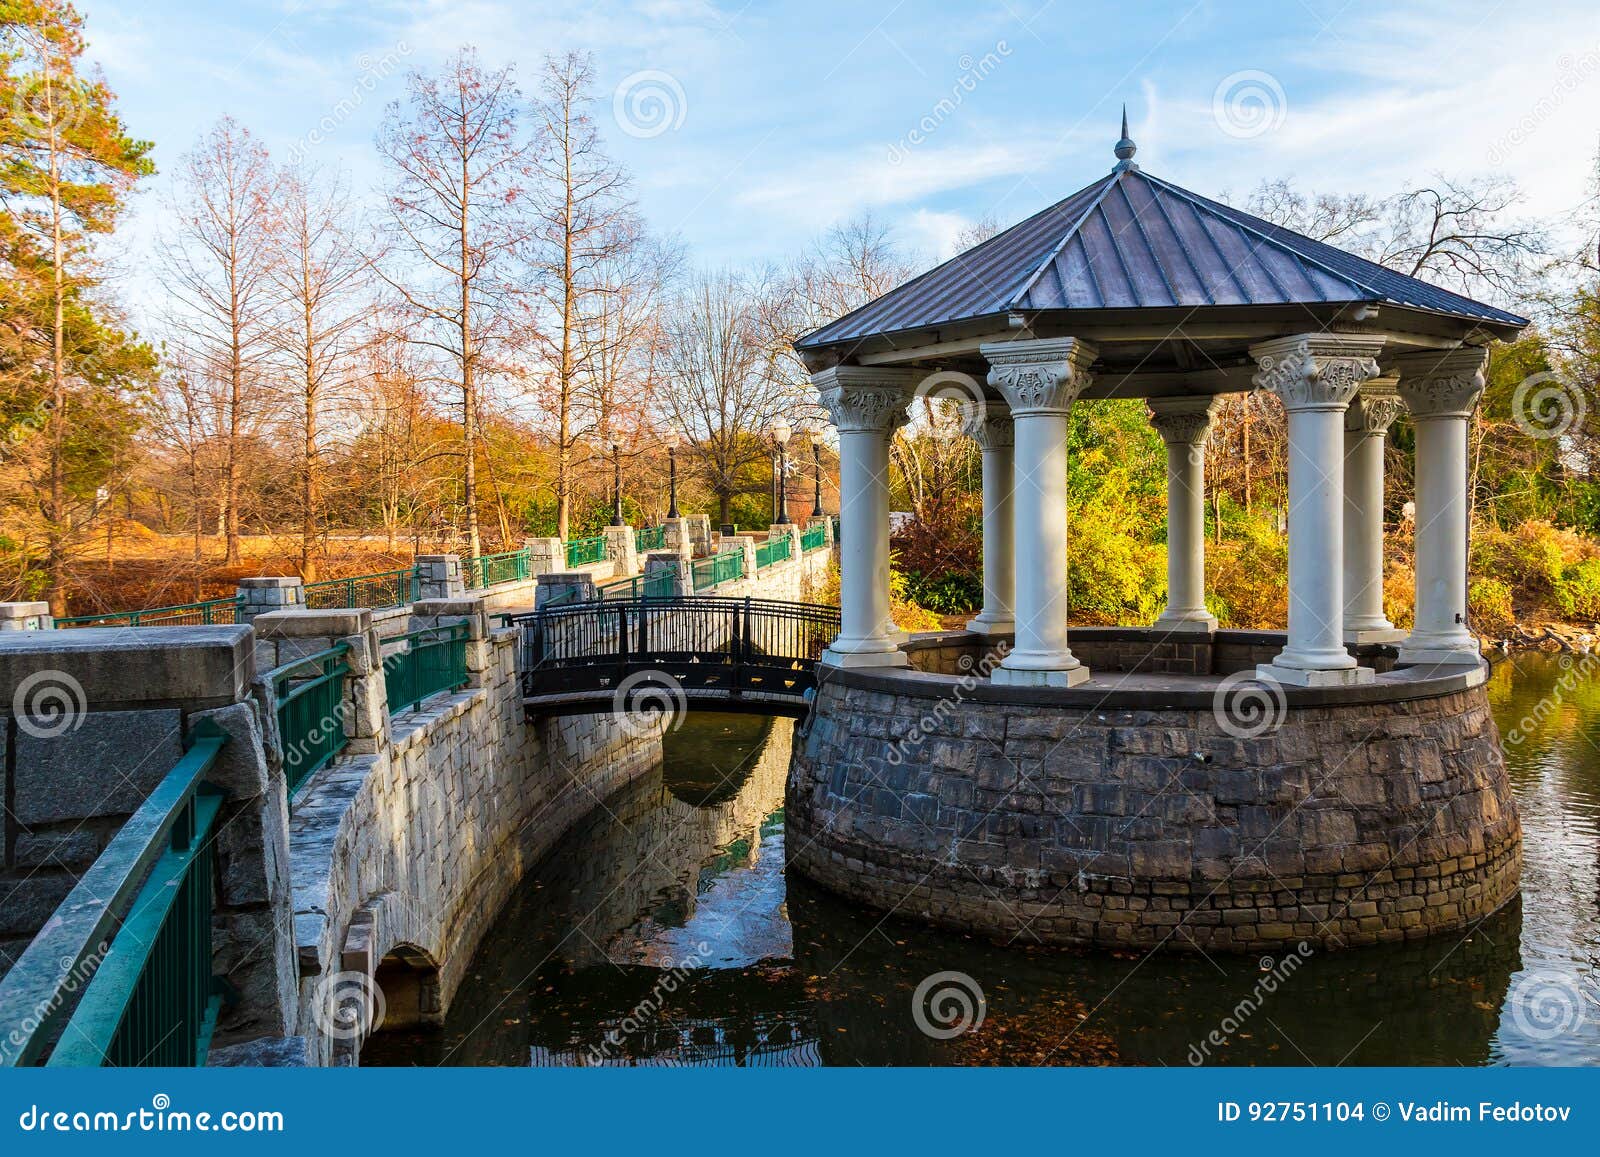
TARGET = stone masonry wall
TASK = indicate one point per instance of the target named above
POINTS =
(1355, 824)
(420, 843)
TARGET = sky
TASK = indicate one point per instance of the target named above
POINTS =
(751, 127)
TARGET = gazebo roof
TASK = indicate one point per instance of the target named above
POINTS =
(1131, 241)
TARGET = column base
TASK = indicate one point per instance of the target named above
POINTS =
(1314, 676)
(896, 658)
(896, 635)
(1199, 622)
(1012, 677)
(992, 624)
(1364, 636)
(1465, 656)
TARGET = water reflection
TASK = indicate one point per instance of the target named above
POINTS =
(663, 931)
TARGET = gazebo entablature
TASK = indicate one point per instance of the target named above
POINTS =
(1344, 370)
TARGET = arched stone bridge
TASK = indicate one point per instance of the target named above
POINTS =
(673, 654)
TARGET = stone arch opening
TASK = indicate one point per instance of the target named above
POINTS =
(408, 980)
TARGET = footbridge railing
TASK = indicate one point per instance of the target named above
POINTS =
(721, 653)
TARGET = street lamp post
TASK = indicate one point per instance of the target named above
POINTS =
(671, 440)
(616, 484)
(780, 435)
(816, 470)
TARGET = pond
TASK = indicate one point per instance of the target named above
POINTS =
(664, 931)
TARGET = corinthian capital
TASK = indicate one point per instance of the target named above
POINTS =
(1316, 371)
(1374, 408)
(1442, 383)
(865, 398)
(1039, 375)
(1183, 421)
(990, 429)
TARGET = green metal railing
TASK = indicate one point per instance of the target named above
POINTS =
(585, 550)
(493, 569)
(813, 538)
(390, 588)
(657, 584)
(771, 551)
(137, 929)
(434, 660)
(208, 613)
(310, 697)
(719, 568)
(651, 538)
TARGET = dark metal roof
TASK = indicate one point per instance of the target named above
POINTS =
(1132, 240)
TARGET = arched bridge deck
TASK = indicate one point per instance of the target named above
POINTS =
(672, 654)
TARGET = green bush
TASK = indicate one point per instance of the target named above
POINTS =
(1578, 591)
(949, 592)
(1489, 603)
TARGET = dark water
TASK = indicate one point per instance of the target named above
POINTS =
(664, 931)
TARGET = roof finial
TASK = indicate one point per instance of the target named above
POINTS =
(1125, 147)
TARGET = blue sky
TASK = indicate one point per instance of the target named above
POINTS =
(782, 118)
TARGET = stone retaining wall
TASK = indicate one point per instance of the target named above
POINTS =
(1087, 822)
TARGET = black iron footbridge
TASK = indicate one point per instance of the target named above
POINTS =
(668, 654)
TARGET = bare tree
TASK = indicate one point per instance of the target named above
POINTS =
(219, 263)
(459, 162)
(322, 277)
(724, 394)
(587, 232)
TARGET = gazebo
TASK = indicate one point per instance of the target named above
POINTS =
(1136, 288)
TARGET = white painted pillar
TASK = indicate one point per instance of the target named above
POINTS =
(1366, 425)
(1040, 378)
(993, 431)
(1184, 424)
(1316, 375)
(1440, 390)
(867, 405)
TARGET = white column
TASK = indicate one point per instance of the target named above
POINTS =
(993, 431)
(1366, 424)
(1040, 378)
(1316, 375)
(1184, 424)
(867, 404)
(1441, 389)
